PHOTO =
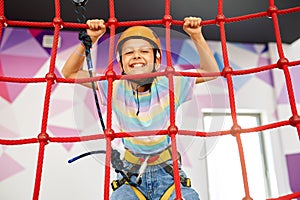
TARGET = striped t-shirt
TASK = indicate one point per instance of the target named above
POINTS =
(154, 110)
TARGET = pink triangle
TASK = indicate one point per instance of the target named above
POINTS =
(4, 92)
(64, 132)
(60, 106)
(217, 101)
(17, 66)
(35, 32)
(185, 158)
(14, 90)
(9, 167)
(3, 89)
(21, 66)
(6, 133)
(90, 103)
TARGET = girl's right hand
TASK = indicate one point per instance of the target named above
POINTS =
(96, 29)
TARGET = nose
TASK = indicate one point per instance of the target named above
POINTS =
(136, 54)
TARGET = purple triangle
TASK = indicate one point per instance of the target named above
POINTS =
(16, 37)
(283, 96)
(293, 163)
(29, 48)
(263, 61)
(68, 39)
(102, 55)
(266, 76)
(38, 35)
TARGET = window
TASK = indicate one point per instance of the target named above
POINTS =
(223, 162)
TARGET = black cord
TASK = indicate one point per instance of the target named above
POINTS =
(87, 42)
(85, 154)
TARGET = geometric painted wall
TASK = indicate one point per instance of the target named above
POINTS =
(22, 55)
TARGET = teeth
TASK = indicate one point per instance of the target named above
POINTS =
(137, 65)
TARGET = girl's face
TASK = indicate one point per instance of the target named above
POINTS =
(137, 57)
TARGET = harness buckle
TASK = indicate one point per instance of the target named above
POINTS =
(186, 182)
(115, 184)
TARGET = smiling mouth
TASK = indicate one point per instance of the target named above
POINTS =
(137, 65)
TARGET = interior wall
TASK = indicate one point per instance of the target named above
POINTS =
(289, 138)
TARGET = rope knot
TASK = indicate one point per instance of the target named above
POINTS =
(235, 129)
(294, 120)
(173, 130)
(58, 21)
(112, 21)
(43, 137)
(226, 70)
(271, 10)
(282, 62)
(51, 77)
(110, 74)
(3, 21)
(167, 19)
(109, 133)
(220, 18)
(169, 70)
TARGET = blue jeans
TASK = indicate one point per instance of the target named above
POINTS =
(155, 181)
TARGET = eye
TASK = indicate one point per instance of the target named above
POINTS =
(145, 50)
(128, 52)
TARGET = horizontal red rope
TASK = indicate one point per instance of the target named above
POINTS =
(287, 197)
(98, 136)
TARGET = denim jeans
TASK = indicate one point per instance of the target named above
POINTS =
(155, 181)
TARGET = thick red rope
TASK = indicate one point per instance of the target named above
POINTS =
(50, 78)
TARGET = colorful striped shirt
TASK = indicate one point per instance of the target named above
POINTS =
(154, 110)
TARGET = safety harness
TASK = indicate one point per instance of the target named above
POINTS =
(138, 162)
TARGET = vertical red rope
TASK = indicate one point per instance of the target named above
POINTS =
(227, 72)
(283, 64)
(50, 78)
(173, 130)
(110, 75)
(39, 169)
(107, 169)
(243, 166)
(227, 69)
(2, 18)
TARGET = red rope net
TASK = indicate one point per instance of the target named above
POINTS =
(50, 78)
